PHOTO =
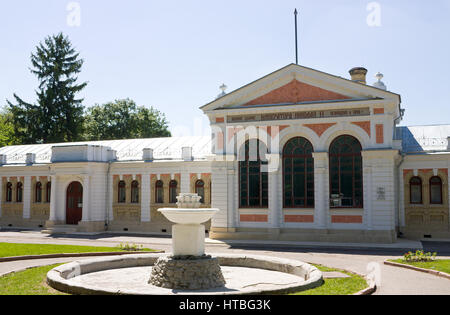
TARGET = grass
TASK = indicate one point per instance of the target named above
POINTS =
(338, 286)
(12, 250)
(29, 282)
(438, 264)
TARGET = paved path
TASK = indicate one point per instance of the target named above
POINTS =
(393, 280)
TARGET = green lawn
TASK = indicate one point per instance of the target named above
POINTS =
(438, 264)
(340, 286)
(29, 282)
(33, 282)
(10, 250)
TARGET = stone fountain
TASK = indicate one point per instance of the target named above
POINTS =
(188, 268)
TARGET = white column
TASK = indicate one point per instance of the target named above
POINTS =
(185, 183)
(219, 179)
(274, 205)
(86, 198)
(321, 189)
(145, 199)
(401, 191)
(53, 199)
(27, 197)
(368, 195)
(232, 219)
(110, 198)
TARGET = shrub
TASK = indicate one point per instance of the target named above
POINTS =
(419, 256)
(130, 247)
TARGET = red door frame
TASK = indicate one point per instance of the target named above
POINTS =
(74, 197)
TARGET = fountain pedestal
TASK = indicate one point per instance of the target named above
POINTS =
(189, 268)
(188, 240)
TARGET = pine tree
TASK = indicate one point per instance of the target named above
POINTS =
(58, 114)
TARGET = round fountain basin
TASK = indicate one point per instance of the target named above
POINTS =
(187, 215)
(128, 275)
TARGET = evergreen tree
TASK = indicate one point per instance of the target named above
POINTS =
(58, 114)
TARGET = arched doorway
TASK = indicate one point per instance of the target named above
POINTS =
(74, 203)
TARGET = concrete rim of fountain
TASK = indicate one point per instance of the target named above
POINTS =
(62, 277)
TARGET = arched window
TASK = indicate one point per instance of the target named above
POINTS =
(436, 190)
(9, 190)
(200, 189)
(38, 192)
(415, 190)
(19, 190)
(122, 191)
(253, 181)
(298, 174)
(135, 192)
(49, 191)
(346, 178)
(159, 192)
(173, 193)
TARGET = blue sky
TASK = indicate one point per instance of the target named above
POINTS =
(174, 55)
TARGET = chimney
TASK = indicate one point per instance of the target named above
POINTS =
(147, 154)
(112, 155)
(186, 154)
(30, 158)
(2, 159)
(358, 74)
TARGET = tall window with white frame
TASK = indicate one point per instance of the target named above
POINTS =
(122, 192)
(38, 192)
(173, 191)
(135, 192)
(346, 177)
(9, 192)
(49, 191)
(19, 192)
(200, 190)
(298, 174)
(415, 190)
(436, 190)
(253, 179)
(159, 192)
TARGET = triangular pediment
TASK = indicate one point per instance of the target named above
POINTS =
(297, 92)
(296, 84)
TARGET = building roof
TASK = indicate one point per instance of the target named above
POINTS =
(305, 71)
(417, 139)
(127, 150)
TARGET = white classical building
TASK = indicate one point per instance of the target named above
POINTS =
(296, 155)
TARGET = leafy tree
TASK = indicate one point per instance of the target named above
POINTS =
(7, 136)
(58, 114)
(123, 119)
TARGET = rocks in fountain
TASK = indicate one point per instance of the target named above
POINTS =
(187, 273)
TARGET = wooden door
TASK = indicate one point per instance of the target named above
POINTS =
(74, 203)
